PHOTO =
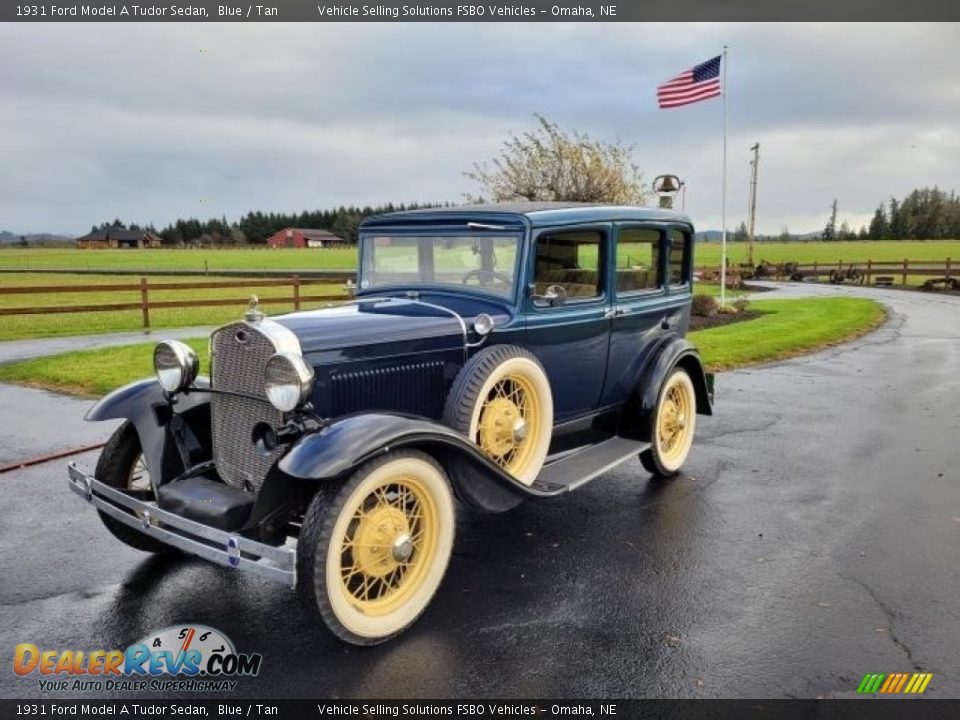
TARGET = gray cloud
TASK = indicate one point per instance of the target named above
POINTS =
(152, 122)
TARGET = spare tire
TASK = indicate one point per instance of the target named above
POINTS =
(502, 401)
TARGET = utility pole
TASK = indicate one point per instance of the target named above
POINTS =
(753, 199)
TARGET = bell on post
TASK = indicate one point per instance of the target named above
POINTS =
(666, 187)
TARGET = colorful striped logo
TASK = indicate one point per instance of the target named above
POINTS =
(895, 683)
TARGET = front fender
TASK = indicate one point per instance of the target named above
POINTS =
(145, 404)
(349, 441)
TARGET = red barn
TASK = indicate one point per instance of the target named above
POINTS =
(304, 238)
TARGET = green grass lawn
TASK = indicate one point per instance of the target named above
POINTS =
(786, 328)
(16, 327)
(346, 258)
(92, 372)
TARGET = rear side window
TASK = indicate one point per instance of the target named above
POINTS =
(570, 260)
(638, 260)
(679, 257)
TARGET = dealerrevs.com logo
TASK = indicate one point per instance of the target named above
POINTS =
(183, 658)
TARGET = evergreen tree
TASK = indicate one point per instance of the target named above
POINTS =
(895, 228)
(878, 225)
(830, 230)
(741, 234)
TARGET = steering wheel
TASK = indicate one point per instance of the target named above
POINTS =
(487, 276)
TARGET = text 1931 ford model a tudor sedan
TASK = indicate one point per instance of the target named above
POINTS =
(492, 354)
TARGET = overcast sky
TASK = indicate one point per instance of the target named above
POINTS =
(151, 122)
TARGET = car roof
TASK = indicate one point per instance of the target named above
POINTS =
(537, 214)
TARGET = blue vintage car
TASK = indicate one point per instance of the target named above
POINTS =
(492, 354)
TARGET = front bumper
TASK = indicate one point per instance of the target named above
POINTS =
(270, 562)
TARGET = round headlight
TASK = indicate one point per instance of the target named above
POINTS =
(289, 381)
(176, 365)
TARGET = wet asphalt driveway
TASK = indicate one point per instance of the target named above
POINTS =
(816, 538)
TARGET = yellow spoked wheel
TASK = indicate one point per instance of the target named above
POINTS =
(502, 401)
(673, 426)
(372, 555)
(388, 546)
(509, 423)
(673, 423)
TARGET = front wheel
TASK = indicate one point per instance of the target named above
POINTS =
(121, 466)
(674, 421)
(373, 550)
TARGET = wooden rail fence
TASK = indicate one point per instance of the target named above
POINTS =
(145, 304)
(866, 270)
(870, 268)
(862, 271)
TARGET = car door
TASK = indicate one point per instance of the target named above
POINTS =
(570, 338)
(641, 303)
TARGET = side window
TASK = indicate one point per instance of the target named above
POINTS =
(570, 260)
(679, 257)
(638, 260)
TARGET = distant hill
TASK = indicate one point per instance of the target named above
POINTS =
(9, 238)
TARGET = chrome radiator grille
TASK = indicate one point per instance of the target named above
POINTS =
(240, 353)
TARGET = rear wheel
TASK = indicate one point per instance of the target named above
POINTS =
(121, 466)
(674, 422)
(373, 550)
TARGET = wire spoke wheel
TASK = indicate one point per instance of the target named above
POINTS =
(139, 477)
(509, 423)
(674, 416)
(502, 401)
(373, 550)
(673, 426)
(389, 541)
(122, 466)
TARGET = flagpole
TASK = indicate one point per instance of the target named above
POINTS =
(723, 193)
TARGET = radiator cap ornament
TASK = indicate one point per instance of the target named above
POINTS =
(254, 314)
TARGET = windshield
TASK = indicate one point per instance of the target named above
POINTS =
(481, 262)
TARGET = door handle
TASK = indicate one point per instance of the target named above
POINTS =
(615, 311)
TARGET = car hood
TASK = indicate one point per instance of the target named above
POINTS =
(372, 323)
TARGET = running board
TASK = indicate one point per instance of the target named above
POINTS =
(572, 471)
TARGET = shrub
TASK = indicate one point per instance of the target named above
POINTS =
(704, 306)
(741, 303)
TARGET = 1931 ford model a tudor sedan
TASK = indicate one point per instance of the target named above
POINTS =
(492, 354)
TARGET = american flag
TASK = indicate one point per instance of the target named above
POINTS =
(698, 83)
